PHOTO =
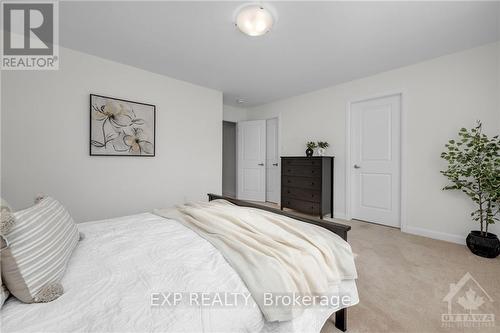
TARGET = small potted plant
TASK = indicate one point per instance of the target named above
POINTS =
(323, 145)
(310, 148)
(474, 168)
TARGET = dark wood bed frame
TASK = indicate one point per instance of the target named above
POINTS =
(337, 228)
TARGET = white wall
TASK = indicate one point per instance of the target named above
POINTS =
(234, 114)
(45, 139)
(440, 96)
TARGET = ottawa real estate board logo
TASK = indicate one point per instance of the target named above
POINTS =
(30, 35)
(468, 305)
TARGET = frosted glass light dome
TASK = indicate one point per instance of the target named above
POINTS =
(254, 20)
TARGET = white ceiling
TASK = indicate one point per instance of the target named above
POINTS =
(313, 45)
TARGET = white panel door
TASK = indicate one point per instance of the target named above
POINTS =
(272, 161)
(375, 157)
(251, 160)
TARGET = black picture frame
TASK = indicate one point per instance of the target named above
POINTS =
(91, 140)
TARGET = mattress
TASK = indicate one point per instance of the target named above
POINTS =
(124, 264)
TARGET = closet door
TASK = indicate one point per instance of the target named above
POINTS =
(251, 160)
(272, 161)
(375, 157)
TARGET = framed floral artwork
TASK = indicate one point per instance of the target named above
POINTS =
(121, 128)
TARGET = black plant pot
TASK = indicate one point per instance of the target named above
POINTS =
(309, 152)
(487, 246)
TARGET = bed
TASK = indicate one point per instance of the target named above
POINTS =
(122, 262)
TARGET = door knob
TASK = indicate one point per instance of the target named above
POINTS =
(261, 164)
(275, 164)
(356, 166)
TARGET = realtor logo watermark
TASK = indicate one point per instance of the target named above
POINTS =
(466, 299)
(30, 37)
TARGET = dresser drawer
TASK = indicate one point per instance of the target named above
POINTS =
(302, 162)
(302, 182)
(301, 194)
(301, 170)
(312, 208)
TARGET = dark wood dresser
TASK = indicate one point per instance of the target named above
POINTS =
(307, 184)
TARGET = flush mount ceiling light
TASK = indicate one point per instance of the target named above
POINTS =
(254, 20)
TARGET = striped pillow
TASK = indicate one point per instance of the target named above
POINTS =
(39, 246)
(4, 294)
(6, 221)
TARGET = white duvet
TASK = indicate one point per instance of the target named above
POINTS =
(119, 265)
(273, 254)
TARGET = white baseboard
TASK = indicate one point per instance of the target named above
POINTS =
(336, 216)
(340, 216)
(458, 239)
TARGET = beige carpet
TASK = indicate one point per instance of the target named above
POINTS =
(404, 278)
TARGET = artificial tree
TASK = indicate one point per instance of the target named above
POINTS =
(474, 168)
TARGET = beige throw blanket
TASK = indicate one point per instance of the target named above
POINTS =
(271, 253)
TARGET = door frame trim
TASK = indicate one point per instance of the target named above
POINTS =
(403, 156)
